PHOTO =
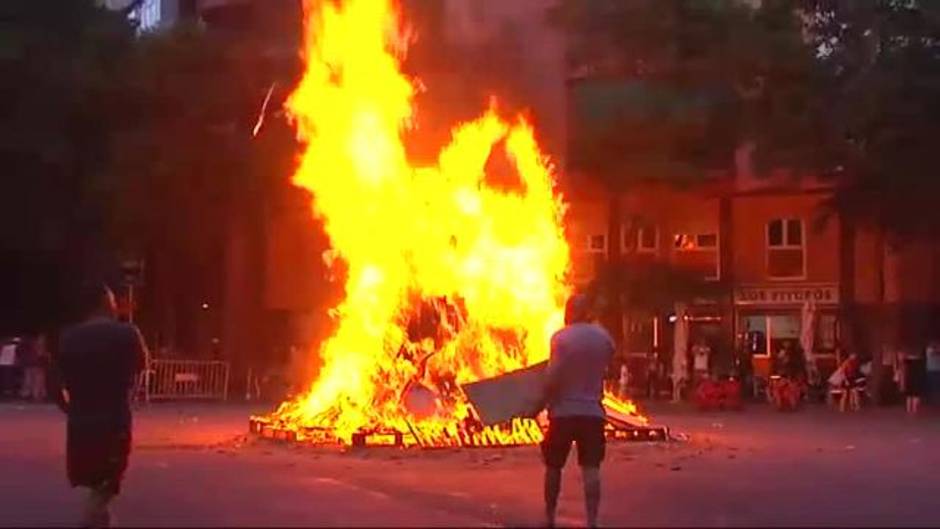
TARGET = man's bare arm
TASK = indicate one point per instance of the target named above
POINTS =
(141, 353)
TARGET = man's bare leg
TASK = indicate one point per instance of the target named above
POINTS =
(591, 477)
(552, 489)
(97, 509)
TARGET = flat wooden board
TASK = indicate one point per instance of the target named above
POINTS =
(503, 398)
(500, 399)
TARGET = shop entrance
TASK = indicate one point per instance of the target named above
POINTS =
(765, 333)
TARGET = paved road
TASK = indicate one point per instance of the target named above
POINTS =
(192, 465)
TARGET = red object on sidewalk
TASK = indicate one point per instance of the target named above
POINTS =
(718, 394)
(787, 394)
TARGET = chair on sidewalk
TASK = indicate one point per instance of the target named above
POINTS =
(856, 394)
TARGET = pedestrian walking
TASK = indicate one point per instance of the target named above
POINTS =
(913, 378)
(32, 355)
(847, 380)
(580, 354)
(98, 361)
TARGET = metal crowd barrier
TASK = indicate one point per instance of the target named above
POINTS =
(185, 379)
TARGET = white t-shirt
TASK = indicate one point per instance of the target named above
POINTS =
(580, 354)
(933, 358)
(700, 357)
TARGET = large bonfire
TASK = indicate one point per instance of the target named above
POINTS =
(448, 279)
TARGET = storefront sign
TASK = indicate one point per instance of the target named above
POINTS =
(827, 294)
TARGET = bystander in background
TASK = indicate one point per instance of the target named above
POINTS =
(933, 371)
(701, 359)
(34, 361)
(8, 367)
(913, 378)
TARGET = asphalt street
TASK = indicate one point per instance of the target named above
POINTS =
(194, 465)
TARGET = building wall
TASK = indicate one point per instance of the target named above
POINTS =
(751, 215)
(868, 257)
(669, 211)
(586, 218)
(675, 212)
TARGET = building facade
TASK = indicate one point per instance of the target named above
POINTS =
(780, 263)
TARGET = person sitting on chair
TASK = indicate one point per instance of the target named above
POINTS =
(850, 382)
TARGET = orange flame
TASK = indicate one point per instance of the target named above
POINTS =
(488, 264)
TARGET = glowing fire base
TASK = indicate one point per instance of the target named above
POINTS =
(520, 432)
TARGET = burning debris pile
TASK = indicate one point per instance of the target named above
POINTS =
(448, 279)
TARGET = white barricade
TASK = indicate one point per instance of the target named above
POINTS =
(186, 379)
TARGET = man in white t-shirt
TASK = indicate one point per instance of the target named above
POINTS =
(701, 354)
(574, 393)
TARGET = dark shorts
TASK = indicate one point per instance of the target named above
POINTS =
(915, 378)
(97, 454)
(586, 432)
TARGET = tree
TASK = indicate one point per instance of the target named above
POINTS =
(58, 65)
(676, 86)
(881, 60)
(187, 164)
(723, 71)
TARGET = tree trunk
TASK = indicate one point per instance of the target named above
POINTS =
(614, 273)
(889, 316)
(851, 339)
(726, 276)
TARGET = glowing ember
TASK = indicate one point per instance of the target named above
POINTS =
(448, 279)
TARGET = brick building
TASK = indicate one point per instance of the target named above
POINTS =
(771, 249)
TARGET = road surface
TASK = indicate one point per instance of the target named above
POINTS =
(193, 466)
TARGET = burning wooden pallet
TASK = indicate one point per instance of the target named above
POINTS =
(496, 407)
(499, 436)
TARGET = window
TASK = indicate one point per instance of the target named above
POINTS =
(698, 253)
(766, 334)
(638, 333)
(642, 239)
(699, 241)
(827, 333)
(785, 251)
(647, 240)
(597, 244)
(708, 240)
